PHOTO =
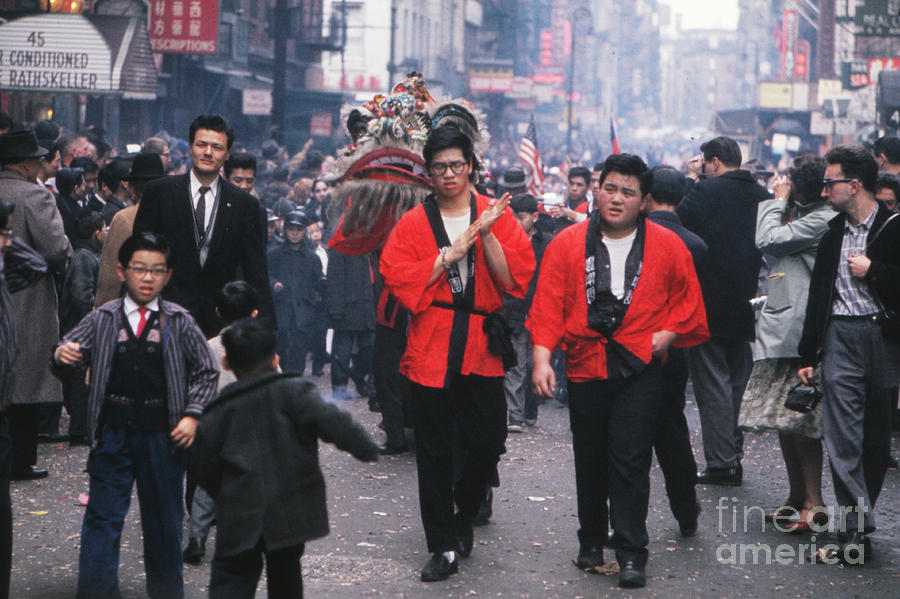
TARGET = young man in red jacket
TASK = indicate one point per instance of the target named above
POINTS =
(449, 261)
(615, 292)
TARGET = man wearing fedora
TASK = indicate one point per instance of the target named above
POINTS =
(35, 308)
(213, 226)
(146, 167)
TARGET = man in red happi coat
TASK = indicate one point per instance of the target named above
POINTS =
(448, 261)
(615, 291)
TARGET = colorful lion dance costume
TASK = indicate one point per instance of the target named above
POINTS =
(381, 172)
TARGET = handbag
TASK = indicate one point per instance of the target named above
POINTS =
(803, 398)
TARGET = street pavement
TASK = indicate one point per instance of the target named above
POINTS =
(376, 546)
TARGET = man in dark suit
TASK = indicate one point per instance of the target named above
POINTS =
(212, 226)
(721, 209)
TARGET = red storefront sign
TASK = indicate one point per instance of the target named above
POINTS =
(184, 26)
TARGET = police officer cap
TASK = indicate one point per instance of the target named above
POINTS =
(297, 219)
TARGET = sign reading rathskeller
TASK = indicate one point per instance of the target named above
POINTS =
(61, 53)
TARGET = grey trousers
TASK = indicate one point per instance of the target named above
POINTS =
(203, 512)
(859, 380)
(720, 369)
(518, 378)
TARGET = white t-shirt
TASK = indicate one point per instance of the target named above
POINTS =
(456, 226)
(618, 253)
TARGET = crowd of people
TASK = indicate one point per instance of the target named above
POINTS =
(186, 285)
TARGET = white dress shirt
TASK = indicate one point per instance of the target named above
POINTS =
(133, 315)
(211, 196)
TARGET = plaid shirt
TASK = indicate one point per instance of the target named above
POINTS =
(853, 297)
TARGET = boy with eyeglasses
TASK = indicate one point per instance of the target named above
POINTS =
(151, 373)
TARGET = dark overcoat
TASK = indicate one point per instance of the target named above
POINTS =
(722, 211)
(256, 451)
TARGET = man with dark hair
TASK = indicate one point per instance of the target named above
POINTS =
(240, 169)
(112, 189)
(664, 189)
(721, 210)
(213, 227)
(448, 261)
(851, 326)
(151, 373)
(577, 205)
(49, 165)
(91, 174)
(39, 225)
(887, 190)
(521, 402)
(617, 292)
(886, 151)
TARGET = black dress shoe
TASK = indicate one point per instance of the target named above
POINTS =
(78, 440)
(193, 553)
(631, 575)
(615, 540)
(465, 537)
(856, 550)
(590, 558)
(393, 449)
(728, 477)
(439, 568)
(30, 473)
(689, 527)
(485, 510)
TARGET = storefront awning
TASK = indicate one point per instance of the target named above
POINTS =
(60, 53)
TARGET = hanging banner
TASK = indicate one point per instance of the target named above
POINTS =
(184, 26)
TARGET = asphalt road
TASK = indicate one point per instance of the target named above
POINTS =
(376, 546)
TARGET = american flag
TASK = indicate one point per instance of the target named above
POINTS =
(531, 158)
(613, 138)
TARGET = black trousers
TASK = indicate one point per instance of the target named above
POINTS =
(236, 577)
(613, 427)
(391, 387)
(24, 420)
(673, 439)
(460, 435)
(5, 506)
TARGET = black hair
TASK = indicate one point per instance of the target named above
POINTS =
(112, 174)
(888, 181)
(51, 147)
(146, 241)
(446, 137)
(598, 167)
(855, 163)
(88, 223)
(85, 164)
(67, 179)
(665, 185)
(889, 145)
(235, 300)
(580, 171)
(213, 122)
(240, 160)
(6, 122)
(624, 164)
(724, 148)
(46, 129)
(250, 345)
(806, 175)
(524, 202)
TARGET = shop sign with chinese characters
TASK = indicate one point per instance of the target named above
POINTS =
(184, 26)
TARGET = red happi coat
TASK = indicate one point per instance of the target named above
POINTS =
(667, 297)
(406, 265)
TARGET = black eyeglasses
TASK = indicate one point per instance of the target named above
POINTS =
(829, 182)
(439, 168)
(142, 272)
